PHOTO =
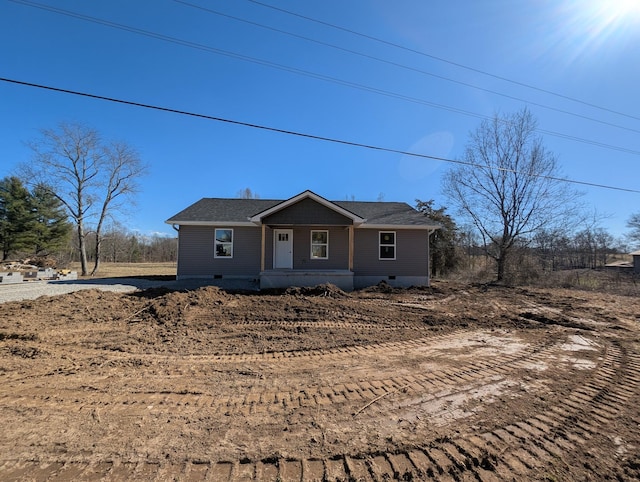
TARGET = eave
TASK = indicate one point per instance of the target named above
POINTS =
(212, 223)
(394, 227)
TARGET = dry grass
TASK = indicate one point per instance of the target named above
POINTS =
(614, 282)
(527, 272)
(119, 270)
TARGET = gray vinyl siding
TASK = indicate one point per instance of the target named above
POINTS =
(307, 212)
(412, 254)
(195, 252)
(338, 248)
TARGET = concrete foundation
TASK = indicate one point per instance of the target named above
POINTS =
(394, 281)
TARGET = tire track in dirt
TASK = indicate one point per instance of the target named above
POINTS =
(350, 325)
(366, 390)
(508, 453)
(107, 356)
(280, 400)
(512, 452)
(530, 444)
(505, 453)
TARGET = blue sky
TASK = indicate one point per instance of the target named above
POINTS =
(425, 97)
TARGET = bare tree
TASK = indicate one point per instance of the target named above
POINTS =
(508, 185)
(247, 193)
(91, 177)
(122, 168)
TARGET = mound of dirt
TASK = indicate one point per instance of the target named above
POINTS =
(168, 307)
(328, 290)
(458, 381)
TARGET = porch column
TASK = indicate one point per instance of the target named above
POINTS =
(262, 248)
(351, 244)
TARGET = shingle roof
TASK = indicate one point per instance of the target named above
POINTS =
(391, 213)
(212, 210)
(223, 210)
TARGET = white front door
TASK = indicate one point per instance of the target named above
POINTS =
(283, 248)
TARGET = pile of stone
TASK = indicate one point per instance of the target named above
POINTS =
(10, 277)
(11, 274)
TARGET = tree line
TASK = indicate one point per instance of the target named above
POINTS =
(457, 249)
(122, 246)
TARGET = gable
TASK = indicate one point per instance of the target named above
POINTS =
(307, 211)
(259, 217)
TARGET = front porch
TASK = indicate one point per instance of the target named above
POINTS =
(343, 279)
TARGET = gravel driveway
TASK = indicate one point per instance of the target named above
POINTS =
(34, 289)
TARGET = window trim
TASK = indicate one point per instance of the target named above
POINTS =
(381, 244)
(312, 244)
(216, 243)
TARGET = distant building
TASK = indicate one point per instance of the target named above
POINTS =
(632, 266)
(636, 262)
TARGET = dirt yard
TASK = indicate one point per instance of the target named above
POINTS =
(453, 382)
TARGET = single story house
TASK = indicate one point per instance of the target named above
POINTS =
(304, 241)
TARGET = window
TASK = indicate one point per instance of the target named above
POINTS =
(223, 243)
(319, 244)
(387, 245)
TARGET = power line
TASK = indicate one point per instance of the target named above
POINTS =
(302, 72)
(403, 66)
(308, 136)
(441, 59)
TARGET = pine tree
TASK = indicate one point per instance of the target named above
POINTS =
(52, 228)
(17, 219)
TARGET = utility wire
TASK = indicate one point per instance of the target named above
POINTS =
(441, 59)
(302, 72)
(403, 66)
(310, 136)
